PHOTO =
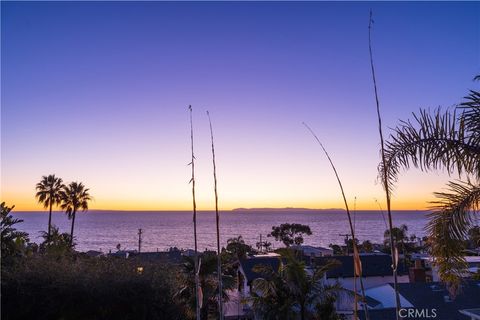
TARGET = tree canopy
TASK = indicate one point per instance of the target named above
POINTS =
(290, 233)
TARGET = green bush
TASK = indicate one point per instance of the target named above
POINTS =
(81, 287)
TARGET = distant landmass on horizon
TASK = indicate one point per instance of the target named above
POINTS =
(286, 209)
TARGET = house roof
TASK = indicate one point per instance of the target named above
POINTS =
(385, 294)
(312, 248)
(372, 265)
(94, 253)
(371, 302)
(472, 313)
(166, 256)
(249, 264)
(433, 295)
(309, 250)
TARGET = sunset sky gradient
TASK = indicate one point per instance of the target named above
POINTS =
(98, 92)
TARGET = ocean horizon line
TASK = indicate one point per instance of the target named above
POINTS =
(236, 210)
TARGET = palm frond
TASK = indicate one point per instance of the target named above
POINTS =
(431, 142)
(450, 220)
(471, 116)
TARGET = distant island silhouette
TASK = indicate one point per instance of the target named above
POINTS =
(287, 209)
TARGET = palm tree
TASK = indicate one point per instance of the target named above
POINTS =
(238, 248)
(399, 235)
(448, 140)
(208, 282)
(56, 242)
(291, 290)
(48, 193)
(74, 197)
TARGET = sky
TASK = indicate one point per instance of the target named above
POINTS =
(98, 92)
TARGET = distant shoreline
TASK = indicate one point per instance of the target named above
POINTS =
(286, 209)
(236, 210)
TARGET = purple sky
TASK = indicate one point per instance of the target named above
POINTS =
(98, 92)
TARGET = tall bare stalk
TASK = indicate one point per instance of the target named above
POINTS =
(196, 264)
(356, 257)
(217, 217)
(385, 176)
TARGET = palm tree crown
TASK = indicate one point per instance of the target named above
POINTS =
(448, 140)
(49, 193)
(74, 197)
(292, 292)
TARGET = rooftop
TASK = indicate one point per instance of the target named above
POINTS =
(432, 296)
(372, 265)
(248, 265)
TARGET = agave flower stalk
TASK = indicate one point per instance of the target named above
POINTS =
(356, 257)
(384, 175)
(217, 219)
(192, 181)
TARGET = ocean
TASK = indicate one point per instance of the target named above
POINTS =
(103, 230)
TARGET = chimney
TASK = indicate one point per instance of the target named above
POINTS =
(417, 273)
(418, 264)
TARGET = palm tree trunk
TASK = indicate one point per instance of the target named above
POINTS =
(73, 224)
(49, 221)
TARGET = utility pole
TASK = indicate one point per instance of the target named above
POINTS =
(139, 240)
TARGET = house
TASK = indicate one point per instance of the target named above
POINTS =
(246, 270)
(122, 253)
(312, 252)
(376, 270)
(94, 253)
(172, 256)
(237, 307)
(431, 271)
(423, 300)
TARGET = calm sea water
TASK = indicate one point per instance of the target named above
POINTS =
(103, 230)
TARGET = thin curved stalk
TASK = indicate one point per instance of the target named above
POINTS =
(356, 257)
(217, 219)
(385, 179)
(197, 266)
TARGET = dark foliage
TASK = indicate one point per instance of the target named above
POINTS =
(446, 140)
(80, 287)
(290, 233)
(12, 241)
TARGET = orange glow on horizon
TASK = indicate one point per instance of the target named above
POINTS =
(25, 203)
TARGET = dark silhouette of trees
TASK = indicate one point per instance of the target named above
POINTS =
(76, 287)
(209, 286)
(291, 291)
(474, 237)
(238, 248)
(48, 193)
(56, 243)
(12, 241)
(290, 233)
(74, 197)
